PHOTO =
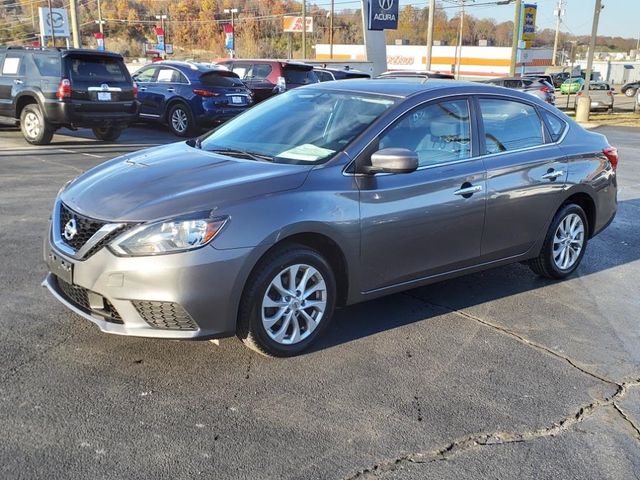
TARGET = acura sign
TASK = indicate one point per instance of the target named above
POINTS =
(383, 14)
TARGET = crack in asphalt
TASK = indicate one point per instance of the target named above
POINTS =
(518, 337)
(499, 438)
(626, 417)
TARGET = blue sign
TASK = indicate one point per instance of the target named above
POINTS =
(383, 14)
(228, 41)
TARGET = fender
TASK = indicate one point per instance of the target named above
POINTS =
(35, 94)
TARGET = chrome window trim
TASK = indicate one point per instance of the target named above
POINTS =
(161, 67)
(394, 120)
(468, 95)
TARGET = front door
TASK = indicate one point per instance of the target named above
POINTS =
(430, 221)
(145, 79)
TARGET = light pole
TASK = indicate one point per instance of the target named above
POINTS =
(460, 37)
(330, 30)
(432, 9)
(584, 102)
(304, 29)
(233, 12)
(558, 13)
(516, 37)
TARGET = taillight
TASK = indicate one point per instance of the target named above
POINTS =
(612, 154)
(204, 93)
(545, 90)
(64, 89)
(135, 90)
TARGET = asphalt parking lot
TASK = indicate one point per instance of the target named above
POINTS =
(621, 103)
(495, 375)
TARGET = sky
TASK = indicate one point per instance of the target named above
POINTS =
(618, 18)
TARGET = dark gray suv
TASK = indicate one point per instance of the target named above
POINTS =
(325, 196)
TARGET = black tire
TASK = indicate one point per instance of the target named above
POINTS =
(107, 134)
(545, 265)
(184, 112)
(250, 328)
(630, 92)
(34, 127)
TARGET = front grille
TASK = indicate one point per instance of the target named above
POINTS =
(79, 296)
(165, 315)
(85, 226)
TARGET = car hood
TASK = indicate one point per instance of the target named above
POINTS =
(172, 180)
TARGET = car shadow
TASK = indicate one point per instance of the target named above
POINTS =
(387, 313)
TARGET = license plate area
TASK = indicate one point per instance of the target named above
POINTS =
(236, 99)
(104, 96)
(60, 267)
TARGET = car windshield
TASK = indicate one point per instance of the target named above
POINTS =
(299, 126)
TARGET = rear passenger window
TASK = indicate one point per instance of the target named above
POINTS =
(47, 65)
(260, 71)
(510, 125)
(438, 133)
(513, 83)
(11, 65)
(554, 124)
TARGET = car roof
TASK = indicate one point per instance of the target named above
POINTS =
(64, 51)
(398, 87)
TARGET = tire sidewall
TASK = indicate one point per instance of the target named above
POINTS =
(560, 216)
(254, 294)
(187, 111)
(41, 138)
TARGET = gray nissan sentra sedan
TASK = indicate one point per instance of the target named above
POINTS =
(322, 197)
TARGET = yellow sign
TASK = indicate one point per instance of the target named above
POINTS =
(529, 24)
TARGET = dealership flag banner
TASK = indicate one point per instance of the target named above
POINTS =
(383, 14)
(228, 34)
(529, 24)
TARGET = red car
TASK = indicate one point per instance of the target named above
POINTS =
(266, 78)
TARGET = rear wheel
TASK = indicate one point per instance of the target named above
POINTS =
(288, 301)
(630, 92)
(180, 120)
(564, 245)
(34, 127)
(107, 134)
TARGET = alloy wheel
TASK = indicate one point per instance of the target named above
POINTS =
(32, 125)
(568, 241)
(179, 120)
(294, 304)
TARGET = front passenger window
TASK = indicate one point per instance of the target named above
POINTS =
(438, 133)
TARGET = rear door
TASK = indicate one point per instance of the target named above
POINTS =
(526, 175)
(11, 76)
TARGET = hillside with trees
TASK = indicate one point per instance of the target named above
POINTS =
(195, 27)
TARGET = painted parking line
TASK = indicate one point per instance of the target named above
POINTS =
(64, 150)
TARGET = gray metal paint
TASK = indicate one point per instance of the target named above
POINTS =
(395, 231)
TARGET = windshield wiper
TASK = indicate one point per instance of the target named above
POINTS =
(241, 154)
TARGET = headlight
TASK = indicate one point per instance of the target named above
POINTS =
(169, 236)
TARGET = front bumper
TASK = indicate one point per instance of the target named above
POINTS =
(204, 284)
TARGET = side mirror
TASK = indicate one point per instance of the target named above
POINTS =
(393, 160)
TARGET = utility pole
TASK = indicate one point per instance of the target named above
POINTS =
(75, 25)
(584, 103)
(516, 37)
(459, 49)
(330, 30)
(100, 21)
(233, 12)
(432, 9)
(304, 29)
(558, 13)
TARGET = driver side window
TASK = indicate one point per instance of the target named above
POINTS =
(438, 132)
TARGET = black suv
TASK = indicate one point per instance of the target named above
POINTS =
(47, 89)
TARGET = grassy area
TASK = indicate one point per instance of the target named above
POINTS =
(626, 119)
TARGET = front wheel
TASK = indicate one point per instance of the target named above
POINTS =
(107, 134)
(564, 244)
(630, 92)
(288, 301)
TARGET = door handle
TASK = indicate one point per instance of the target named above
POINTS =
(18, 82)
(468, 191)
(552, 175)
(171, 89)
(142, 89)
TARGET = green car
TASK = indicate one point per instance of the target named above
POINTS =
(571, 85)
